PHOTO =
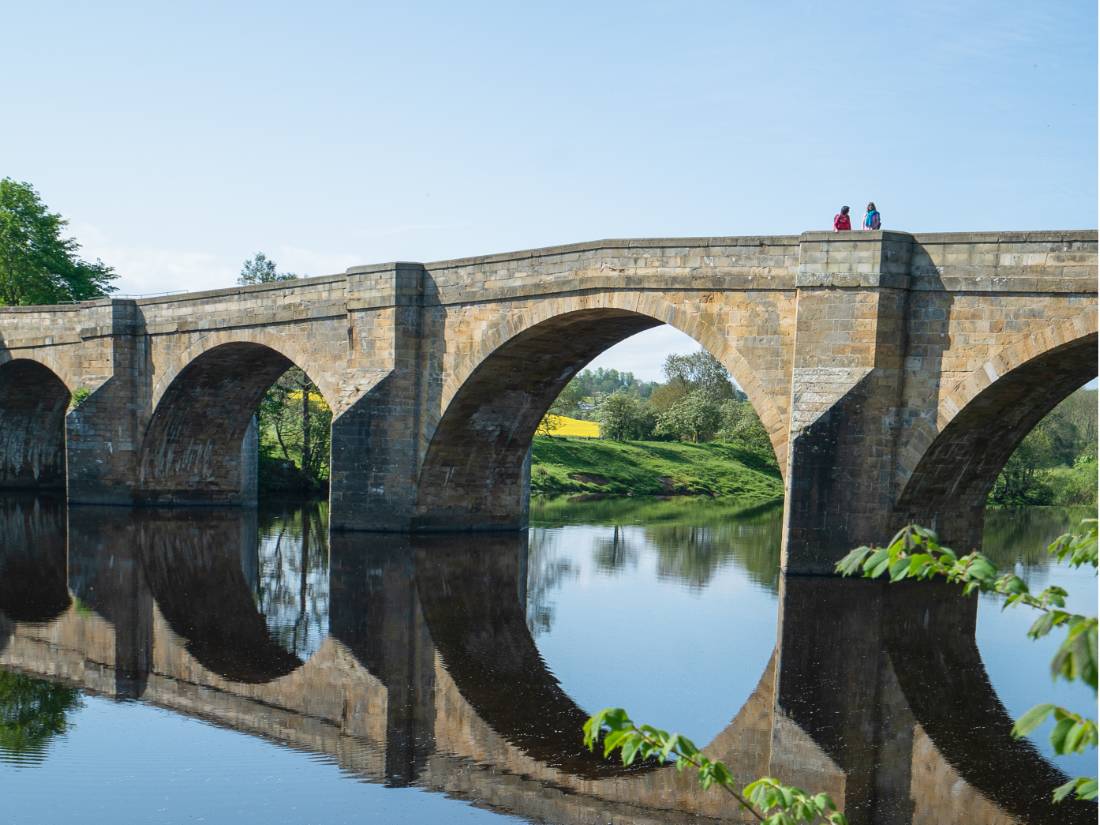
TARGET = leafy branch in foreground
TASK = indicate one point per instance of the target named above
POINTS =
(768, 800)
(915, 553)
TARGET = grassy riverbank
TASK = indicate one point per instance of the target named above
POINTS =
(571, 466)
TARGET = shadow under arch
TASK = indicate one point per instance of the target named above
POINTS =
(471, 594)
(33, 404)
(474, 475)
(192, 565)
(948, 487)
(192, 449)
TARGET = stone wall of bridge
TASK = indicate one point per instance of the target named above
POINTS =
(894, 373)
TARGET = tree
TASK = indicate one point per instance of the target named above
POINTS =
(1039, 471)
(583, 394)
(259, 269)
(741, 424)
(701, 371)
(668, 394)
(695, 417)
(624, 417)
(568, 404)
(296, 422)
(38, 265)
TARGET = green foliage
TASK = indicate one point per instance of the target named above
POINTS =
(295, 435)
(1074, 485)
(1056, 461)
(37, 264)
(697, 402)
(80, 395)
(915, 553)
(692, 404)
(32, 711)
(583, 395)
(573, 401)
(741, 424)
(259, 269)
(768, 800)
(694, 417)
(624, 417)
(701, 371)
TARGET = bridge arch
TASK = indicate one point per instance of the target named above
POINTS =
(473, 474)
(192, 447)
(200, 344)
(33, 404)
(947, 472)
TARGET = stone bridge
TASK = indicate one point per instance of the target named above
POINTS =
(423, 680)
(894, 373)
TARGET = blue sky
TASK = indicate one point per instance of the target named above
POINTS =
(181, 138)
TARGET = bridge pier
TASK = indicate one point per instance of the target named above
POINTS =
(103, 433)
(846, 394)
(377, 437)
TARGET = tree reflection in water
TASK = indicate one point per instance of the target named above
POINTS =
(546, 570)
(691, 545)
(32, 712)
(292, 582)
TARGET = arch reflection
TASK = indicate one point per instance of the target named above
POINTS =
(430, 675)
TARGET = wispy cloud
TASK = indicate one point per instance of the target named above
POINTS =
(146, 270)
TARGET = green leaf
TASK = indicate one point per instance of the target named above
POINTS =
(1059, 734)
(873, 567)
(853, 562)
(1075, 737)
(1031, 720)
(630, 749)
(1084, 788)
(899, 569)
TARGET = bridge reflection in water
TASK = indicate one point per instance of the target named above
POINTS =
(429, 674)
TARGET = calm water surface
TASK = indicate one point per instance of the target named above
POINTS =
(170, 666)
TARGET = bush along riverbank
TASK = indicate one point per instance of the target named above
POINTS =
(1055, 464)
(599, 468)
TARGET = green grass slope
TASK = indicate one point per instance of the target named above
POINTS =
(652, 468)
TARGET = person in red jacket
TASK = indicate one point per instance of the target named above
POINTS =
(841, 221)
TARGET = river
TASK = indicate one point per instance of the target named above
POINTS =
(164, 666)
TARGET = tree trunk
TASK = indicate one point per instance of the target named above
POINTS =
(307, 464)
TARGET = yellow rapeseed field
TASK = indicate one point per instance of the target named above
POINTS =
(563, 425)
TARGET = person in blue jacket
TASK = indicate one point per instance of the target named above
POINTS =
(873, 219)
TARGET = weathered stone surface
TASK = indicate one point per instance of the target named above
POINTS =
(893, 373)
